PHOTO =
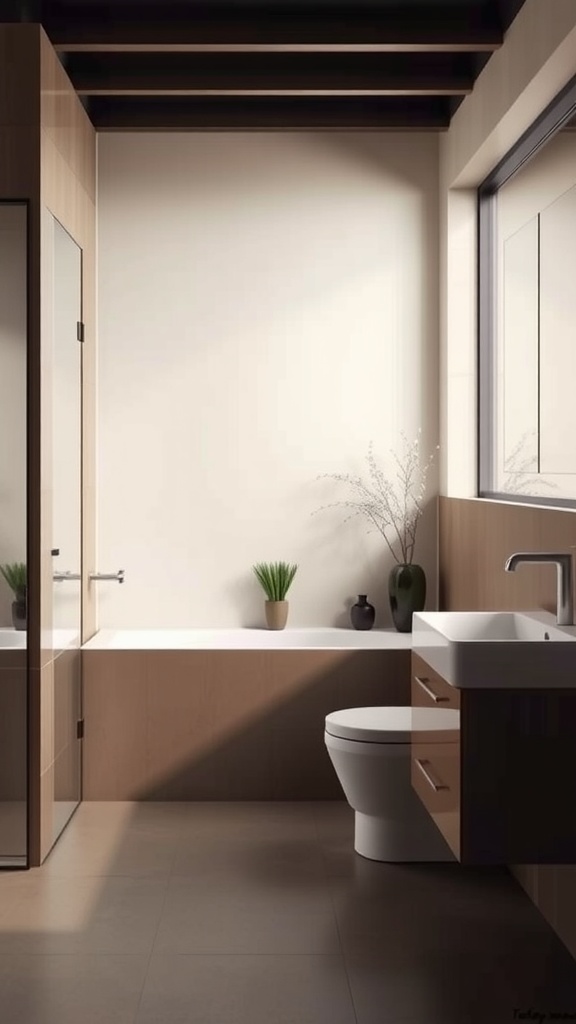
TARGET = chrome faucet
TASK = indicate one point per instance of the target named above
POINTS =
(563, 562)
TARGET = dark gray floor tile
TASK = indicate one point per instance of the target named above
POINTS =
(246, 990)
(267, 861)
(427, 990)
(70, 989)
(83, 916)
(251, 820)
(286, 916)
(430, 907)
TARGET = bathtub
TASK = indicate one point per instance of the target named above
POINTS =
(12, 639)
(305, 639)
(227, 714)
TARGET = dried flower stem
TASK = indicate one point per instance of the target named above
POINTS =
(389, 504)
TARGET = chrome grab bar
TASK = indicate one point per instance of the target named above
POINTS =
(435, 697)
(65, 574)
(436, 785)
(97, 576)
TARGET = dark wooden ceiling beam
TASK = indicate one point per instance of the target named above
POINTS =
(270, 114)
(165, 27)
(269, 74)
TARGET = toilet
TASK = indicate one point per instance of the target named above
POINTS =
(370, 751)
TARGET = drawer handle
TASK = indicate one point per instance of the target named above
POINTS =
(435, 697)
(436, 785)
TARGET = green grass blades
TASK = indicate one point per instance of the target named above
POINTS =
(275, 578)
(15, 575)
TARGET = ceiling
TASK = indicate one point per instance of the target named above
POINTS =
(269, 64)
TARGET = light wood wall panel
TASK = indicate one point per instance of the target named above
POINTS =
(224, 725)
(475, 538)
(48, 159)
(68, 189)
(68, 193)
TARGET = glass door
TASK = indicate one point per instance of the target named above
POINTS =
(66, 524)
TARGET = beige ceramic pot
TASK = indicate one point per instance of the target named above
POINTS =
(276, 614)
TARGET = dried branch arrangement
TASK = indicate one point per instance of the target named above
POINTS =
(391, 504)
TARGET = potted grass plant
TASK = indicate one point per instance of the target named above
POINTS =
(15, 575)
(275, 579)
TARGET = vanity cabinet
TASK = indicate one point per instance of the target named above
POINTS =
(502, 788)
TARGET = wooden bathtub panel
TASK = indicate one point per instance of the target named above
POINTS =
(115, 716)
(224, 725)
(13, 734)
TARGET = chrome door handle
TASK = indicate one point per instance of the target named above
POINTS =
(436, 784)
(435, 697)
(67, 574)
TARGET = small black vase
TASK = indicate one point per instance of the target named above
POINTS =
(407, 590)
(19, 613)
(362, 613)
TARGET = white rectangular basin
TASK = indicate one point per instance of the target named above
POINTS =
(497, 649)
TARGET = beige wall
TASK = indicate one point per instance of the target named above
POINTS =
(267, 306)
(538, 58)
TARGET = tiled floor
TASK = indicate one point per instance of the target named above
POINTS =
(262, 914)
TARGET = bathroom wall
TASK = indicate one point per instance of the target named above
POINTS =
(267, 307)
(537, 59)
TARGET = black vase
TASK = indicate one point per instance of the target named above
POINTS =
(362, 613)
(407, 590)
(19, 613)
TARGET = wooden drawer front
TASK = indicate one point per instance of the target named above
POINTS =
(435, 772)
(430, 690)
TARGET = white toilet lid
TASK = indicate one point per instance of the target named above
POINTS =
(393, 725)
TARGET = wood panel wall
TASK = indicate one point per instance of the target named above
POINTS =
(224, 725)
(475, 538)
(48, 159)
(68, 193)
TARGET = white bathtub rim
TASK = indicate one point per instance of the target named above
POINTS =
(236, 639)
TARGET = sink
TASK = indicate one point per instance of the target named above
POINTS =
(497, 649)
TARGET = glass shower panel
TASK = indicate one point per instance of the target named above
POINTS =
(66, 523)
(13, 633)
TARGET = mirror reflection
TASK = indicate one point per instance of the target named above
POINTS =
(535, 437)
(13, 671)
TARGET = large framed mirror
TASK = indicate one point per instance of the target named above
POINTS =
(528, 313)
(13, 534)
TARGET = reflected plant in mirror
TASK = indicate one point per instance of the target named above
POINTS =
(15, 575)
(519, 475)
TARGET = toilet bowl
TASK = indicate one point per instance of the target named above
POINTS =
(370, 751)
